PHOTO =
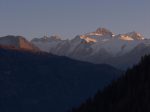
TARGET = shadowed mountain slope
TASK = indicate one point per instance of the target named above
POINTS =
(41, 82)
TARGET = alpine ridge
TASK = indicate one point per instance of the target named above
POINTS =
(100, 46)
(17, 42)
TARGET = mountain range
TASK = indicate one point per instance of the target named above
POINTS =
(100, 46)
(51, 74)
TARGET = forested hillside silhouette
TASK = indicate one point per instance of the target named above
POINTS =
(130, 93)
(41, 82)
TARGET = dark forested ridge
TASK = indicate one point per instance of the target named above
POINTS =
(41, 82)
(131, 93)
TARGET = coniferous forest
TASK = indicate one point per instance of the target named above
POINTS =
(130, 93)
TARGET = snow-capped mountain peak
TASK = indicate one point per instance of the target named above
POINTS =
(87, 39)
(101, 34)
(130, 36)
(103, 31)
(135, 35)
(47, 39)
(124, 37)
(97, 47)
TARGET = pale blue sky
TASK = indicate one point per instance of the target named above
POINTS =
(34, 18)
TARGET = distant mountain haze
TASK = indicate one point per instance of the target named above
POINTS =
(101, 46)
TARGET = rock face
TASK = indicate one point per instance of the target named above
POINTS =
(18, 42)
(103, 31)
(100, 46)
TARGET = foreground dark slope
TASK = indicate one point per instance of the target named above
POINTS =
(131, 93)
(40, 82)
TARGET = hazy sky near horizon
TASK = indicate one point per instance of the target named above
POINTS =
(68, 18)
